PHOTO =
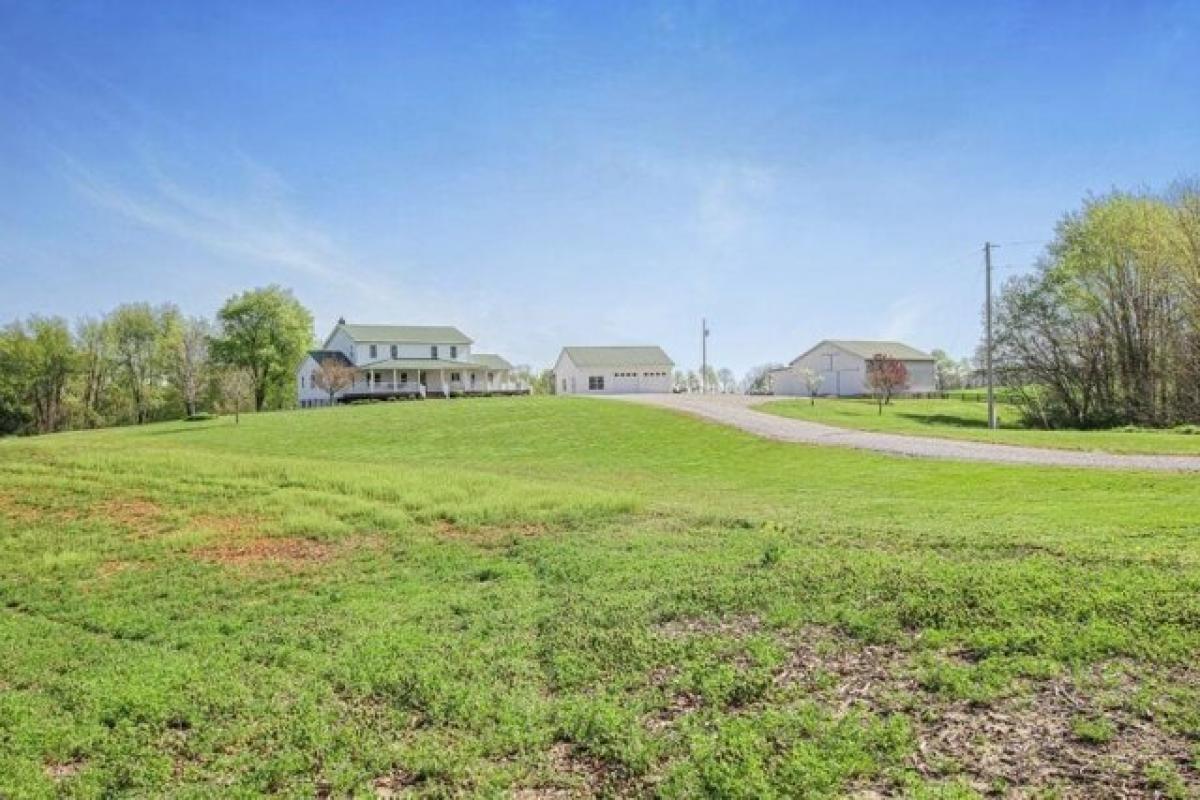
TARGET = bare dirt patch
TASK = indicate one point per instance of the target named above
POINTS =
(1039, 740)
(576, 774)
(488, 535)
(281, 551)
(393, 784)
(65, 770)
(142, 517)
(229, 524)
(1073, 736)
(23, 509)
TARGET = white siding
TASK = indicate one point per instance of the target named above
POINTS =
(383, 351)
(843, 374)
(306, 392)
(569, 379)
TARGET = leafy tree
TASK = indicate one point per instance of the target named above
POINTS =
(758, 379)
(141, 336)
(1107, 328)
(267, 332)
(948, 374)
(94, 342)
(885, 377)
(37, 361)
(726, 380)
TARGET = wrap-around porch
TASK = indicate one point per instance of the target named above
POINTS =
(419, 378)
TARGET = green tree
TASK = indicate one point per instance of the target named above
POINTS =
(37, 361)
(94, 342)
(266, 332)
(141, 337)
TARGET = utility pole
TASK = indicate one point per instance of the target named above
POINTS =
(991, 390)
(704, 355)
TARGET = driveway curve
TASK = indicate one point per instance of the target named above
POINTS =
(737, 411)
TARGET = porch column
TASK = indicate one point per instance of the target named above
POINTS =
(394, 381)
(419, 385)
(445, 383)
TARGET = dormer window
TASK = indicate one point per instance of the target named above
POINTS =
(374, 351)
(453, 351)
(433, 351)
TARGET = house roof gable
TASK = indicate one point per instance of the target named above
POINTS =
(402, 334)
(637, 356)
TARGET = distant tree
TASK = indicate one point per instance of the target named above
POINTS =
(265, 331)
(948, 373)
(708, 379)
(758, 379)
(543, 382)
(96, 366)
(141, 336)
(235, 391)
(334, 375)
(885, 377)
(679, 381)
(692, 381)
(812, 382)
(188, 360)
(726, 380)
(37, 361)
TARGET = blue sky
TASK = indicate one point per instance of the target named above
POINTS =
(542, 174)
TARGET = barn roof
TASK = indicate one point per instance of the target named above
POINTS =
(869, 348)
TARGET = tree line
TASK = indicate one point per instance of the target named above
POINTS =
(143, 362)
(1106, 330)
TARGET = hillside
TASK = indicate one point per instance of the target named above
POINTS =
(552, 597)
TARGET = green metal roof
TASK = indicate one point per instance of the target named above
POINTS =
(644, 356)
(406, 334)
(491, 361)
(422, 363)
(867, 348)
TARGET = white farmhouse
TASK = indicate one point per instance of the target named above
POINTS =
(612, 370)
(842, 365)
(393, 361)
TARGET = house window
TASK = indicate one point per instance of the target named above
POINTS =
(433, 351)
(455, 377)
(301, 381)
(564, 381)
(453, 351)
(595, 383)
(395, 351)
(404, 377)
(374, 351)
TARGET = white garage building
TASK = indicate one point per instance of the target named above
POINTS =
(612, 370)
(842, 365)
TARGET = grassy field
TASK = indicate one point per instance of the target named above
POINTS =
(964, 419)
(555, 597)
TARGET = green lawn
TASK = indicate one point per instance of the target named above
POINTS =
(964, 419)
(554, 597)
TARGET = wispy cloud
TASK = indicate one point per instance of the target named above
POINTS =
(904, 317)
(255, 224)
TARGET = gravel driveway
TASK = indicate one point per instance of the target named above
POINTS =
(736, 410)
